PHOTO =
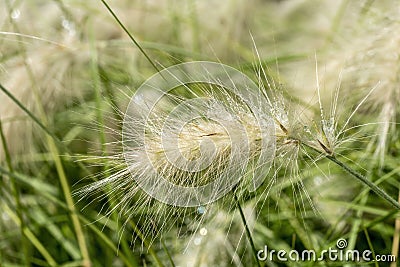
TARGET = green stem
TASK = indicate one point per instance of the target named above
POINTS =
(41, 125)
(358, 176)
(248, 233)
(367, 182)
(70, 203)
(171, 261)
(129, 34)
(29, 113)
(146, 244)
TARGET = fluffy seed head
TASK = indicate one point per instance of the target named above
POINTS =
(194, 130)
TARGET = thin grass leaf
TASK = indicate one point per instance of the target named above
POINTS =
(31, 237)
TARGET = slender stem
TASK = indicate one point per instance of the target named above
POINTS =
(396, 238)
(359, 177)
(146, 244)
(364, 180)
(248, 233)
(371, 247)
(70, 202)
(30, 114)
(41, 125)
(171, 261)
(129, 34)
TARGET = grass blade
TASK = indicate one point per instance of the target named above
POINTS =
(129, 34)
(32, 238)
(16, 194)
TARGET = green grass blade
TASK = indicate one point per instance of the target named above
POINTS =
(16, 194)
(28, 112)
(129, 34)
(248, 233)
(31, 237)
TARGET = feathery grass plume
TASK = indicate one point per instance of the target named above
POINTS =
(191, 134)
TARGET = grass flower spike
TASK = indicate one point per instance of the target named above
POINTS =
(192, 132)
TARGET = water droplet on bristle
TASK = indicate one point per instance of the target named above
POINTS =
(15, 14)
(201, 210)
